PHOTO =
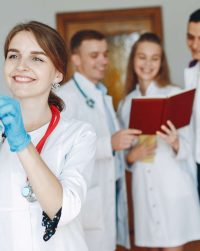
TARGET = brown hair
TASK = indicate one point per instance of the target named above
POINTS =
(52, 44)
(162, 78)
(83, 35)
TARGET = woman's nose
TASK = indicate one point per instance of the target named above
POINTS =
(22, 65)
(148, 62)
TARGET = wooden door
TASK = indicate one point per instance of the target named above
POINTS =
(122, 28)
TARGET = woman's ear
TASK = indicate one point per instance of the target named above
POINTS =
(59, 77)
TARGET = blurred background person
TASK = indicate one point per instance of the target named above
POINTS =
(86, 98)
(165, 199)
(192, 80)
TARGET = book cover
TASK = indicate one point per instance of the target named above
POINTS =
(149, 113)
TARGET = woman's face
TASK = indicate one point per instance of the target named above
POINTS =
(28, 71)
(147, 61)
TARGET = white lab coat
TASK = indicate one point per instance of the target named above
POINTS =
(192, 80)
(165, 199)
(98, 216)
(68, 152)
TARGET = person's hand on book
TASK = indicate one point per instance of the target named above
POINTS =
(170, 135)
(124, 138)
(140, 152)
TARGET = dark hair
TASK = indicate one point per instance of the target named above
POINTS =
(83, 35)
(53, 45)
(195, 16)
(162, 78)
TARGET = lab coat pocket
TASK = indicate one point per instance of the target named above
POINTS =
(92, 212)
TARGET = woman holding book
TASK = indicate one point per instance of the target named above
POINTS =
(165, 199)
(43, 157)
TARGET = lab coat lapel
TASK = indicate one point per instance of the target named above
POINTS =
(112, 111)
(91, 91)
(190, 76)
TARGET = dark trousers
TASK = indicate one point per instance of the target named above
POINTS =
(198, 177)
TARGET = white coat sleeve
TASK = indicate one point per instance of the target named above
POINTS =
(104, 148)
(79, 163)
(185, 147)
(123, 113)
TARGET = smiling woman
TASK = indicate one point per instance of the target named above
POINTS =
(44, 192)
(159, 162)
(28, 69)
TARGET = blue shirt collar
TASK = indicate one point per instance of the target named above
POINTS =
(101, 87)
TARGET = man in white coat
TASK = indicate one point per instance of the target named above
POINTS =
(192, 80)
(86, 99)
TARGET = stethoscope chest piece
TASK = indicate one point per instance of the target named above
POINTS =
(90, 102)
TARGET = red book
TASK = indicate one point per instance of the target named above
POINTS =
(149, 113)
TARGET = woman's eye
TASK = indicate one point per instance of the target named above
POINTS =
(156, 59)
(12, 56)
(37, 59)
(93, 55)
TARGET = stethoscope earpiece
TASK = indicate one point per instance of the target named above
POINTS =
(89, 101)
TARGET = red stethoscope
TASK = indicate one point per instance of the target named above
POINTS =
(27, 190)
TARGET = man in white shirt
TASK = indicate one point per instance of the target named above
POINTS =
(192, 80)
(86, 99)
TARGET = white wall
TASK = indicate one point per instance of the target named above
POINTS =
(175, 16)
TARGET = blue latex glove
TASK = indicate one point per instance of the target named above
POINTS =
(11, 117)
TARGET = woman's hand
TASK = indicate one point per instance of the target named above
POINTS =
(140, 152)
(11, 117)
(170, 135)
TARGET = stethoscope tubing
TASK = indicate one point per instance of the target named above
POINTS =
(89, 101)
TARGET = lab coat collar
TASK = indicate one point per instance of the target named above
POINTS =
(191, 75)
(151, 89)
(101, 87)
(194, 69)
(95, 91)
(85, 83)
